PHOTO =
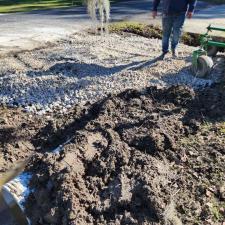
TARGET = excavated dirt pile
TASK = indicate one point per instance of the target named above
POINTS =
(139, 157)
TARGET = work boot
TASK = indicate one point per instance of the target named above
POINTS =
(162, 56)
(175, 53)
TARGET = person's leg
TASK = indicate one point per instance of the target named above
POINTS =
(167, 24)
(178, 23)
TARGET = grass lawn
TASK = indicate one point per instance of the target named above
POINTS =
(10, 6)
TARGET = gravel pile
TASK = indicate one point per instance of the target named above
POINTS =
(85, 68)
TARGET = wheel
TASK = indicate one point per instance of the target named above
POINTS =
(204, 66)
(212, 51)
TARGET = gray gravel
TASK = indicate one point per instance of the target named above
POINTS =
(86, 67)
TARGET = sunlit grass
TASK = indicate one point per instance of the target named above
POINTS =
(28, 5)
(10, 6)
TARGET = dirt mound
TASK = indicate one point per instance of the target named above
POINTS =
(140, 157)
(17, 131)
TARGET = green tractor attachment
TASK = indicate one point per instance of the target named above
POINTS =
(202, 62)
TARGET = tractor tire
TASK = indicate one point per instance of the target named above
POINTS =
(212, 51)
(204, 66)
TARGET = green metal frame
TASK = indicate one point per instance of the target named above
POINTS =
(206, 41)
(195, 56)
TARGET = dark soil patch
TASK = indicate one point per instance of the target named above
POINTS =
(16, 132)
(139, 157)
(151, 31)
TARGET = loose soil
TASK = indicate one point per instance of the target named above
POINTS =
(16, 131)
(150, 156)
(145, 156)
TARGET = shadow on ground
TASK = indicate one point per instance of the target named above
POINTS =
(81, 70)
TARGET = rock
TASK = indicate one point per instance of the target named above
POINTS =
(208, 193)
(221, 191)
(3, 121)
(51, 217)
(24, 145)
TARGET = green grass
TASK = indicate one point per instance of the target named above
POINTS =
(11, 6)
(222, 130)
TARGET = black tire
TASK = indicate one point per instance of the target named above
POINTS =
(212, 51)
(204, 66)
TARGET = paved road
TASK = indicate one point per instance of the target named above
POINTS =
(205, 14)
(21, 31)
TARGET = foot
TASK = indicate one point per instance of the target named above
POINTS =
(162, 56)
(174, 53)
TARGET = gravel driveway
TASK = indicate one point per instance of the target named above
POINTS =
(87, 67)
